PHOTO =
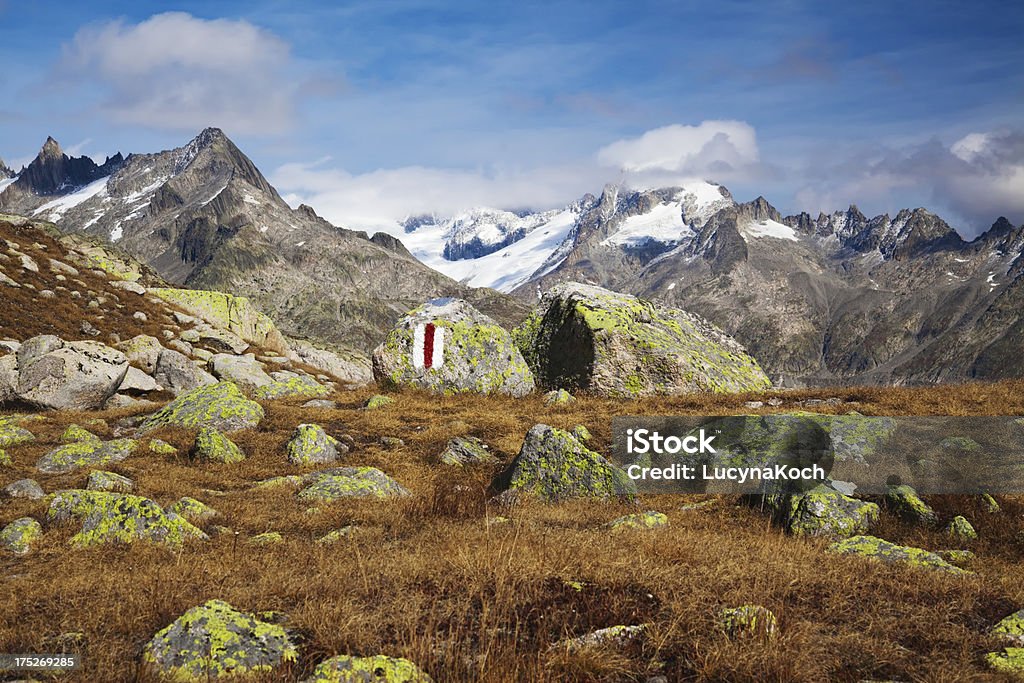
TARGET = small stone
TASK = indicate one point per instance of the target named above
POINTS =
(266, 538)
(18, 536)
(349, 669)
(140, 316)
(74, 434)
(24, 488)
(195, 511)
(214, 446)
(650, 519)
(378, 401)
(311, 445)
(161, 447)
(961, 530)
(748, 621)
(100, 480)
(465, 450)
(391, 442)
(558, 397)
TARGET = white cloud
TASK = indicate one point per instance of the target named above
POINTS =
(175, 71)
(712, 148)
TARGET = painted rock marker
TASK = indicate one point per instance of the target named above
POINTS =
(428, 346)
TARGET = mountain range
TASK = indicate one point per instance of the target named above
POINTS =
(835, 299)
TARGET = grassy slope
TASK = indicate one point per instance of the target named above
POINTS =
(428, 578)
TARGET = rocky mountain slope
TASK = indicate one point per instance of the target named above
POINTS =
(204, 216)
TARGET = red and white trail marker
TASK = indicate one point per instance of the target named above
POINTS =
(428, 346)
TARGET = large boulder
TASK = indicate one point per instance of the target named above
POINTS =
(214, 640)
(348, 366)
(823, 511)
(78, 375)
(219, 406)
(311, 445)
(233, 313)
(245, 371)
(142, 351)
(176, 373)
(350, 482)
(8, 377)
(375, 669)
(118, 518)
(586, 337)
(446, 346)
(89, 453)
(553, 465)
(890, 553)
(290, 385)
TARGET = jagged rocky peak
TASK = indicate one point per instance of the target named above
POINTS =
(1000, 229)
(5, 172)
(757, 211)
(54, 172)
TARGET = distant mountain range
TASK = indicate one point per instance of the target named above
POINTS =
(835, 299)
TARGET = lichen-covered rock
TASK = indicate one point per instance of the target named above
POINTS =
(990, 504)
(378, 401)
(311, 445)
(345, 482)
(336, 535)
(178, 375)
(1011, 628)
(890, 553)
(245, 371)
(11, 434)
(651, 519)
(375, 669)
(80, 454)
(74, 433)
(143, 352)
(585, 337)
(18, 536)
(748, 621)
(79, 375)
(214, 640)
(195, 511)
(219, 406)
(1009, 661)
(558, 397)
(24, 488)
(5, 459)
(581, 433)
(100, 480)
(118, 518)
(161, 447)
(290, 385)
(613, 636)
(961, 530)
(960, 558)
(267, 538)
(465, 450)
(391, 442)
(905, 502)
(447, 347)
(8, 376)
(212, 445)
(823, 511)
(233, 313)
(349, 366)
(553, 465)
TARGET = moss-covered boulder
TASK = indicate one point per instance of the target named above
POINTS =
(212, 445)
(290, 385)
(375, 669)
(748, 621)
(960, 529)
(218, 406)
(18, 536)
(447, 347)
(118, 518)
(100, 480)
(215, 640)
(81, 454)
(586, 338)
(378, 401)
(1011, 628)
(311, 445)
(651, 519)
(349, 482)
(195, 511)
(890, 553)
(233, 313)
(465, 450)
(1009, 661)
(161, 447)
(553, 465)
(13, 434)
(823, 511)
(990, 504)
(75, 433)
(558, 397)
(904, 501)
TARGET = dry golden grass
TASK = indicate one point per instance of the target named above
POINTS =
(430, 579)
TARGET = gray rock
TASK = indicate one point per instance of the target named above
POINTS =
(348, 366)
(245, 371)
(349, 482)
(137, 380)
(321, 404)
(475, 353)
(24, 488)
(81, 454)
(177, 374)
(823, 511)
(18, 536)
(8, 377)
(558, 397)
(219, 406)
(221, 340)
(466, 450)
(80, 375)
(142, 351)
(311, 445)
(36, 347)
(100, 480)
(212, 445)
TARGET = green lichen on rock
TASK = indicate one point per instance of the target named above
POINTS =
(905, 502)
(651, 519)
(233, 313)
(585, 337)
(267, 538)
(285, 480)
(18, 536)
(195, 511)
(214, 640)
(212, 445)
(75, 433)
(118, 518)
(960, 558)
(989, 503)
(374, 669)
(311, 445)
(553, 465)
(100, 480)
(477, 355)
(161, 447)
(12, 434)
(748, 621)
(823, 511)
(466, 450)
(349, 482)
(336, 535)
(890, 553)
(581, 433)
(291, 386)
(1009, 661)
(1011, 628)
(219, 406)
(81, 454)
(558, 397)
(378, 401)
(960, 443)
(5, 458)
(961, 530)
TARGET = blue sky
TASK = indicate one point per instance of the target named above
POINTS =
(371, 110)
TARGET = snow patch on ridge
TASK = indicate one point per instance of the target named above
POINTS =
(58, 207)
(770, 228)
